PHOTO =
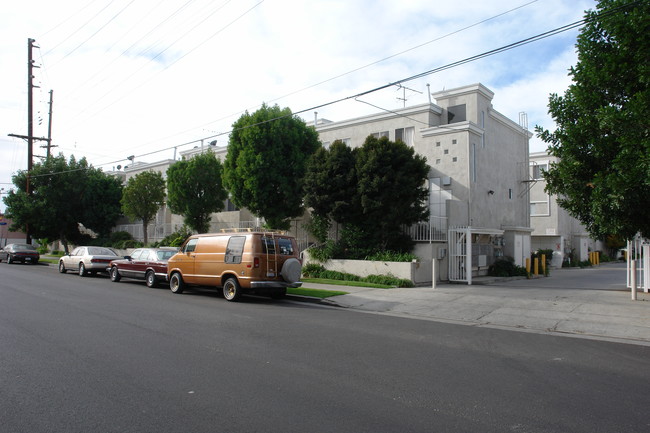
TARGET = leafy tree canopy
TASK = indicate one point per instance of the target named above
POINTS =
(195, 190)
(265, 164)
(373, 191)
(64, 194)
(603, 124)
(143, 195)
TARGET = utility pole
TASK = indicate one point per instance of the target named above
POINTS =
(49, 127)
(30, 124)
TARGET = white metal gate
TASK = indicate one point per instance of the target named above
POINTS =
(638, 253)
(460, 254)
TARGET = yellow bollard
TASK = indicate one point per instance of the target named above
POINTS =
(598, 258)
(544, 264)
(528, 265)
(536, 266)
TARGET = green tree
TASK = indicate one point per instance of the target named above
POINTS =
(143, 195)
(64, 194)
(266, 163)
(603, 124)
(195, 190)
(392, 191)
(330, 183)
(374, 191)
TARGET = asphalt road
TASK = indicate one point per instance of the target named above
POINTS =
(87, 355)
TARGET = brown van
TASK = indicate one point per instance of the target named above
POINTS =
(238, 262)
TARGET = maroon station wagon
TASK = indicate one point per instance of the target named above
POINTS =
(149, 264)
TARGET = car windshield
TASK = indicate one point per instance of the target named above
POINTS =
(24, 247)
(165, 255)
(98, 251)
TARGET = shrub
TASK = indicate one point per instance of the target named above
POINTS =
(175, 239)
(506, 267)
(312, 270)
(392, 256)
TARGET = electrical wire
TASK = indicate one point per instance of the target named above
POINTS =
(413, 77)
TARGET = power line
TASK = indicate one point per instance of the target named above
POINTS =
(403, 80)
(369, 64)
(413, 77)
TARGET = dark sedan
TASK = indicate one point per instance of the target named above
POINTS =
(19, 253)
(149, 264)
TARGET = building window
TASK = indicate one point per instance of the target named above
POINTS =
(454, 159)
(456, 113)
(326, 144)
(510, 193)
(437, 161)
(405, 135)
(454, 141)
(446, 151)
(346, 141)
(437, 144)
(538, 171)
(539, 208)
(380, 134)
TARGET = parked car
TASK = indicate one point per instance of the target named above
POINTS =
(149, 264)
(87, 260)
(257, 262)
(19, 253)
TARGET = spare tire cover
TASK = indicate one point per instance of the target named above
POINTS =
(291, 270)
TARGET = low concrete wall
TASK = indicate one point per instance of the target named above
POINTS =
(418, 272)
(363, 268)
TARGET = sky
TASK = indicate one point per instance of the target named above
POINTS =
(148, 79)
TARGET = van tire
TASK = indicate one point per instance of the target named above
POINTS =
(231, 289)
(291, 270)
(176, 284)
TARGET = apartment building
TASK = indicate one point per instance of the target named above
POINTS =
(553, 227)
(478, 161)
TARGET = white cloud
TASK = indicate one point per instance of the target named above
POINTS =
(132, 78)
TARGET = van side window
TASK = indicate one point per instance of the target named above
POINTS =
(268, 245)
(190, 246)
(286, 249)
(235, 249)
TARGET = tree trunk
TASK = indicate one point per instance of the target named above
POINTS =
(145, 225)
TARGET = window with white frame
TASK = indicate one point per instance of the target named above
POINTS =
(405, 134)
(380, 134)
(538, 169)
(540, 208)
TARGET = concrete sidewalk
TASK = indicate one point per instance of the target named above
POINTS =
(591, 303)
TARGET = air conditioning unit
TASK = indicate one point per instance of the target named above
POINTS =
(446, 181)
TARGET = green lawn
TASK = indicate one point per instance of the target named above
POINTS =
(345, 283)
(314, 293)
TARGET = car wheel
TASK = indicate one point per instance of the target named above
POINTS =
(62, 268)
(231, 289)
(82, 270)
(150, 277)
(115, 275)
(176, 284)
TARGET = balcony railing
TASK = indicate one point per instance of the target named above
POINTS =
(434, 230)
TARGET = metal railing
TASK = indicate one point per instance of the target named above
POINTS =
(435, 230)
